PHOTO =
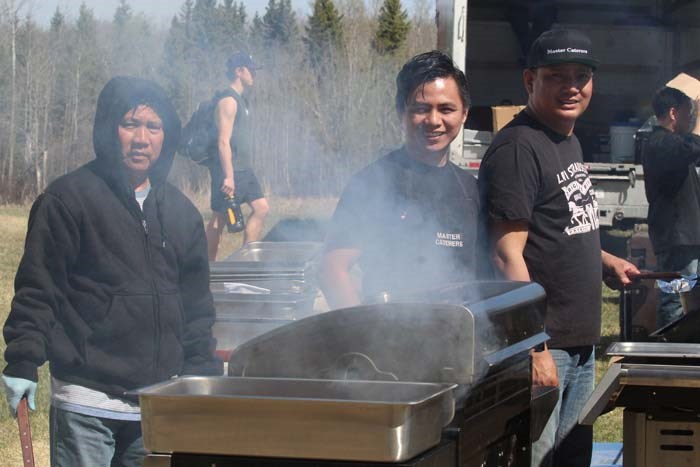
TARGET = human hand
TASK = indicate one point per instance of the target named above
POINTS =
(228, 187)
(15, 389)
(544, 370)
(617, 272)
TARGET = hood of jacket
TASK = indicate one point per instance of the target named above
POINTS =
(121, 94)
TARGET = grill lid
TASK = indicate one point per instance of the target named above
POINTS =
(456, 334)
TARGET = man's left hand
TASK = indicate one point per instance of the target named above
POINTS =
(617, 272)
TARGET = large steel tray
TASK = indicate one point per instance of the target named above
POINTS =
(272, 306)
(274, 285)
(263, 255)
(375, 421)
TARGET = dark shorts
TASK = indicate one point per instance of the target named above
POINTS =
(247, 188)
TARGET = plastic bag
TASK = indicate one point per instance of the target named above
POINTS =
(684, 284)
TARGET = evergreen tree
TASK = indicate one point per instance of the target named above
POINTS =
(57, 56)
(204, 24)
(324, 32)
(129, 35)
(392, 27)
(91, 72)
(58, 22)
(122, 15)
(178, 68)
(231, 22)
(279, 23)
(257, 31)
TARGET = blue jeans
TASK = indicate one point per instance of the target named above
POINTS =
(564, 442)
(683, 259)
(82, 441)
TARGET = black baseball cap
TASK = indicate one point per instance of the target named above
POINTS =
(240, 59)
(561, 46)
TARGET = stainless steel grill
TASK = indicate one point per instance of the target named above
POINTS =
(474, 337)
(659, 385)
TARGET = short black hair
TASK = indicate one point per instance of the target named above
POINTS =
(666, 98)
(424, 68)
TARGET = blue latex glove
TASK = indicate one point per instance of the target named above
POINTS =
(16, 388)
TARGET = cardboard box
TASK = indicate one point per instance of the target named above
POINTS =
(686, 84)
(503, 114)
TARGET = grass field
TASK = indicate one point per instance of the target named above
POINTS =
(13, 223)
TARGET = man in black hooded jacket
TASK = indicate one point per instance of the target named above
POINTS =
(113, 287)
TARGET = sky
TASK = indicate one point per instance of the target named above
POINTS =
(161, 11)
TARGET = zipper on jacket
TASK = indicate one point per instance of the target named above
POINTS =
(156, 300)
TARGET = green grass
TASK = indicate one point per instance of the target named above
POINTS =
(608, 427)
(13, 223)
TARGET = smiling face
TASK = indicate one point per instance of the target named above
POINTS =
(559, 94)
(433, 116)
(141, 136)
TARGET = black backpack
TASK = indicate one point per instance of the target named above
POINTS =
(199, 136)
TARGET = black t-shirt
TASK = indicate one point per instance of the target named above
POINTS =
(415, 224)
(533, 174)
(672, 187)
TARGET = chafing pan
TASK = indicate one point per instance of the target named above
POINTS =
(254, 254)
(375, 421)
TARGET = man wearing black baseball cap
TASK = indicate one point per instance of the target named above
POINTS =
(231, 172)
(543, 222)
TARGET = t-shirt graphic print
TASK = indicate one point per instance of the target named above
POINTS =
(583, 206)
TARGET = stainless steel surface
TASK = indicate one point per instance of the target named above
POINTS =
(270, 306)
(457, 337)
(654, 350)
(274, 285)
(269, 259)
(663, 366)
(666, 376)
(291, 253)
(650, 440)
(314, 419)
(603, 396)
(227, 271)
(241, 317)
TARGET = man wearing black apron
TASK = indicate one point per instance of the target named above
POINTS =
(410, 219)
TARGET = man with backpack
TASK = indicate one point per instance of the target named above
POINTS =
(230, 169)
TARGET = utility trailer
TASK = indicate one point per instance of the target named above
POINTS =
(642, 44)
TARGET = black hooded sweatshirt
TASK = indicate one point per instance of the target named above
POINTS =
(112, 296)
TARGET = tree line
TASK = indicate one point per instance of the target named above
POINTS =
(323, 102)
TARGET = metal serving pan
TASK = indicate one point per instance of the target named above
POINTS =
(374, 421)
(273, 305)
(262, 255)
(274, 285)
